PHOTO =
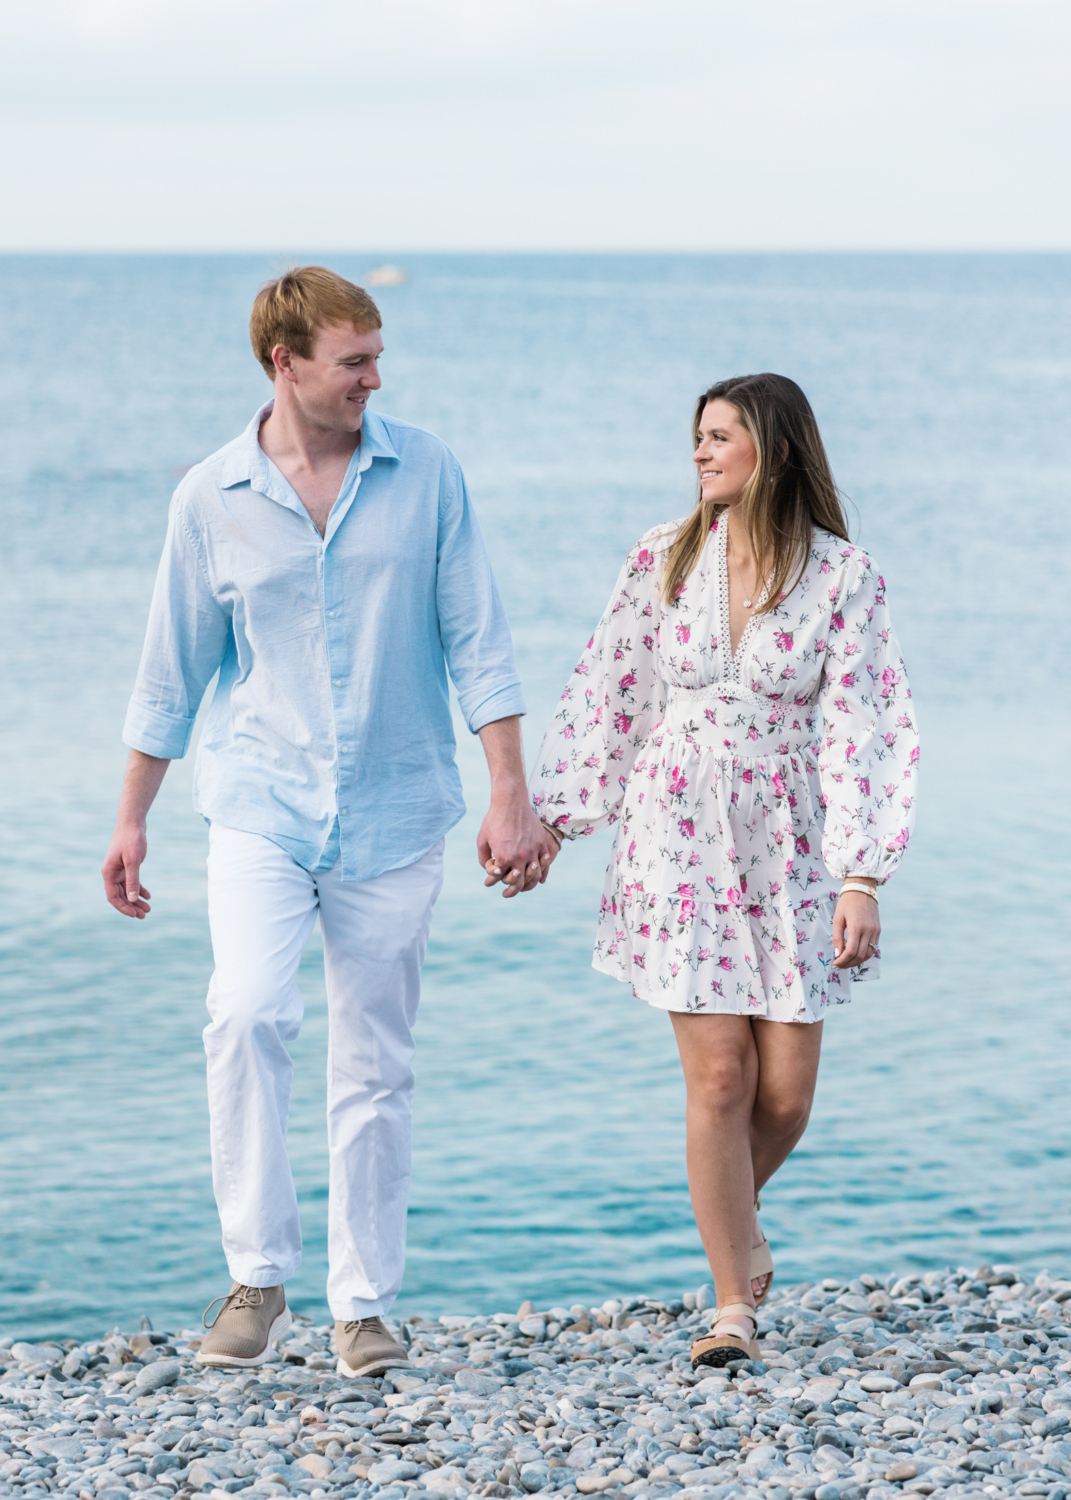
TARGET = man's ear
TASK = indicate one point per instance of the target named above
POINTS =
(283, 360)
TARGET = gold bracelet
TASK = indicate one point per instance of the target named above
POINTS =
(850, 885)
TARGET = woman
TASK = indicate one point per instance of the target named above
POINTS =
(742, 714)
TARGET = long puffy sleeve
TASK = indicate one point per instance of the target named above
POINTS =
(610, 705)
(870, 746)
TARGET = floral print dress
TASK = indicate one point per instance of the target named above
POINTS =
(745, 786)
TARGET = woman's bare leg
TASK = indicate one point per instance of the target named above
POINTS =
(788, 1072)
(750, 1088)
(721, 1073)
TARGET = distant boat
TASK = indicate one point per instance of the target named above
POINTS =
(386, 276)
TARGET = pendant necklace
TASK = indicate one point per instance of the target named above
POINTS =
(732, 554)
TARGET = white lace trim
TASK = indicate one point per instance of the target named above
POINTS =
(731, 660)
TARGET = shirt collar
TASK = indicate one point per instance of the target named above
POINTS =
(247, 463)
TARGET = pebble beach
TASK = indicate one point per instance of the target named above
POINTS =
(951, 1383)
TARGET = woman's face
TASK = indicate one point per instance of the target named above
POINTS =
(726, 456)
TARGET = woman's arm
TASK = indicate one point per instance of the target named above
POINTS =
(869, 759)
(611, 703)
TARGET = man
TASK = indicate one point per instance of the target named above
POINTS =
(328, 565)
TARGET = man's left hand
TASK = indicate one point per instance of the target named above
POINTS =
(513, 846)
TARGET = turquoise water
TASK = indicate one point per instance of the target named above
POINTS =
(549, 1142)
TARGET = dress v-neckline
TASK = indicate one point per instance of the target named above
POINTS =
(732, 660)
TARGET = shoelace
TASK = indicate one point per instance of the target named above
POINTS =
(241, 1296)
(356, 1324)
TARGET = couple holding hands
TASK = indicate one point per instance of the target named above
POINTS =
(741, 715)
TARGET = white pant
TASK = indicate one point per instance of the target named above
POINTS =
(261, 907)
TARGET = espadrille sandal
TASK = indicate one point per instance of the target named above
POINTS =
(734, 1342)
(761, 1261)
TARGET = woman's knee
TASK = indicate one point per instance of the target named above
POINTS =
(721, 1085)
(782, 1115)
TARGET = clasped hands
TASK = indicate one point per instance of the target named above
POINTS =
(514, 848)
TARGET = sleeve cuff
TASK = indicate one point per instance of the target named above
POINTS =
(154, 732)
(503, 704)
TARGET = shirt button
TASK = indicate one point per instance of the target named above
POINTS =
(345, 749)
(331, 614)
(345, 810)
(338, 681)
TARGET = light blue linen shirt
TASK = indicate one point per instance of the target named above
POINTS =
(330, 730)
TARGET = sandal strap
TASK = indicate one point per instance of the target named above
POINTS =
(732, 1309)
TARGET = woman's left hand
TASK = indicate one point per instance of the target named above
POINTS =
(856, 930)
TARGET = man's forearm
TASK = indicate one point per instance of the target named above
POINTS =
(501, 741)
(144, 777)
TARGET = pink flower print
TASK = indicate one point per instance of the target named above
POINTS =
(603, 780)
(631, 851)
(903, 722)
(663, 934)
(619, 654)
(732, 896)
(677, 782)
(568, 732)
(686, 890)
(863, 783)
(848, 680)
(563, 765)
(850, 751)
(747, 775)
(837, 622)
(890, 740)
(729, 934)
(648, 641)
(645, 929)
(628, 681)
(687, 828)
(687, 665)
(591, 762)
(819, 647)
(841, 704)
(913, 758)
(793, 801)
(694, 859)
(717, 989)
(754, 911)
(777, 945)
(826, 566)
(703, 955)
(779, 784)
(752, 733)
(890, 790)
(812, 877)
(899, 842)
(582, 669)
(684, 634)
(687, 911)
(622, 722)
(802, 845)
(645, 561)
(584, 794)
(783, 639)
(890, 679)
(590, 644)
(637, 959)
(851, 649)
(726, 963)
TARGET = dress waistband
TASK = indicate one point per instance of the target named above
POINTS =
(725, 717)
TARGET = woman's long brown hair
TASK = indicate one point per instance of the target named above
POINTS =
(790, 492)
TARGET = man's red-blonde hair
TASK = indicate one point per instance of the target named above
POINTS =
(290, 309)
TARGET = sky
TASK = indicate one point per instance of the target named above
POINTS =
(535, 124)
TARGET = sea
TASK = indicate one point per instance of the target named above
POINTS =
(549, 1131)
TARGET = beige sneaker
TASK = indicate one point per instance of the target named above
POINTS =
(247, 1325)
(366, 1348)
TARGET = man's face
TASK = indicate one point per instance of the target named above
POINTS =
(332, 386)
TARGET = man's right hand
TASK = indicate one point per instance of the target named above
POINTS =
(126, 852)
(122, 870)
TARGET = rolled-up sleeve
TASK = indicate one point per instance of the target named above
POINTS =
(184, 645)
(472, 621)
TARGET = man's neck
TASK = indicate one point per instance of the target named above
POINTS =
(292, 442)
